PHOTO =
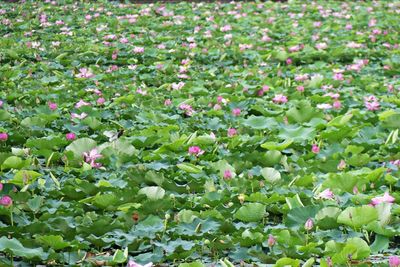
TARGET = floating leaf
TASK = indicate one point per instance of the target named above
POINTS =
(192, 264)
(251, 212)
(271, 175)
(188, 167)
(277, 146)
(79, 146)
(54, 241)
(120, 256)
(25, 177)
(357, 217)
(12, 162)
(260, 123)
(15, 247)
(153, 192)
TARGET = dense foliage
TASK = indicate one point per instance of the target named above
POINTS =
(204, 133)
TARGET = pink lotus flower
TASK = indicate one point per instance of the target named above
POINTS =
(227, 175)
(131, 263)
(337, 104)
(91, 157)
(395, 162)
(332, 95)
(177, 86)
(3, 136)
(315, 149)
(97, 92)
(140, 91)
(309, 224)
(372, 106)
(236, 111)
(280, 99)
(266, 38)
(232, 132)
(195, 150)
(110, 37)
(217, 107)
(81, 103)
(226, 28)
(1, 103)
(138, 50)
(341, 165)
(101, 101)
(354, 45)
(370, 98)
(295, 48)
(301, 77)
(355, 190)
(321, 46)
(123, 40)
(317, 24)
(326, 194)
(52, 106)
(188, 109)
(300, 88)
(243, 47)
(167, 102)
(371, 103)
(79, 116)
(70, 136)
(114, 55)
(228, 36)
(84, 73)
(271, 241)
(386, 198)
(6, 201)
(372, 22)
(338, 76)
(394, 261)
(324, 106)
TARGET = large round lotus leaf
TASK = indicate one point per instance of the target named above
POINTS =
(271, 175)
(357, 217)
(251, 212)
(153, 192)
(80, 146)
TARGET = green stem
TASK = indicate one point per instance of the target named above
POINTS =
(307, 238)
(11, 216)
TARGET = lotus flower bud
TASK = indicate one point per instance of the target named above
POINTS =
(309, 224)
(271, 240)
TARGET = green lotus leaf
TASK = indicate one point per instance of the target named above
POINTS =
(153, 192)
(358, 217)
(250, 212)
(190, 168)
(14, 246)
(271, 175)
(80, 146)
